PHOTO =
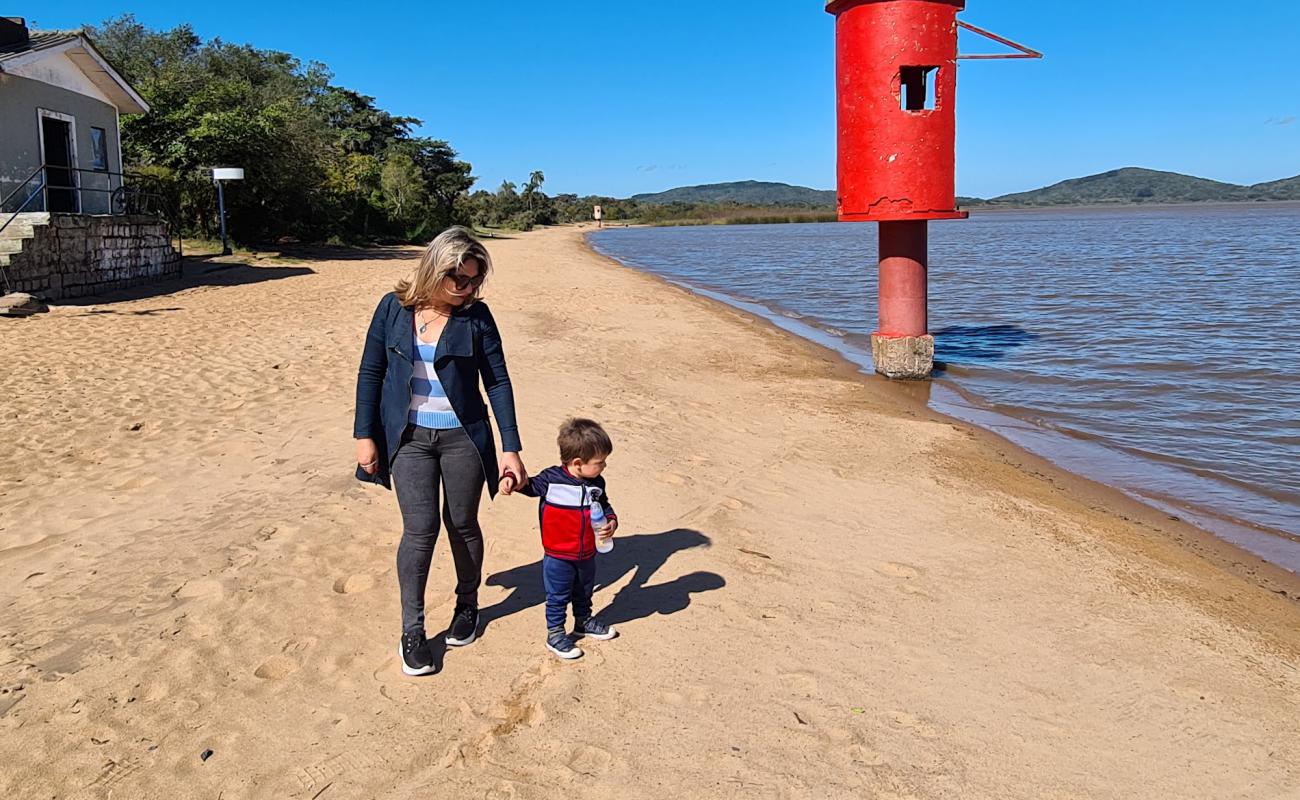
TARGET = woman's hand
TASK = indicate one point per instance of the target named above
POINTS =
(368, 456)
(511, 462)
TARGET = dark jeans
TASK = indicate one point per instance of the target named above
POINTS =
(425, 458)
(565, 582)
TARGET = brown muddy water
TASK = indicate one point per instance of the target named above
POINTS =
(1153, 349)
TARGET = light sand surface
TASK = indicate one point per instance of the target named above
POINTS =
(822, 592)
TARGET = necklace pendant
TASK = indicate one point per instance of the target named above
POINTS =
(424, 327)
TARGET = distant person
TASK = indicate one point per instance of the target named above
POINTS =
(421, 425)
(577, 521)
(598, 214)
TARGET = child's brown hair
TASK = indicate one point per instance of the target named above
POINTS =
(584, 439)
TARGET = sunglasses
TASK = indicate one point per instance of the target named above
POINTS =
(464, 281)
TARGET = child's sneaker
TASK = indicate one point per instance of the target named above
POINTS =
(415, 655)
(561, 644)
(464, 626)
(594, 628)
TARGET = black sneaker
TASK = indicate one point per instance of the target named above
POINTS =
(594, 628)
(415, 655)
(561, 644)
(464, 626)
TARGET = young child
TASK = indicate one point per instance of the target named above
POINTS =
(567, 494)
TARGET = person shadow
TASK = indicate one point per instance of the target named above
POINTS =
(640, 554)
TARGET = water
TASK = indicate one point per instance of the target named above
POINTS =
(1153, 349)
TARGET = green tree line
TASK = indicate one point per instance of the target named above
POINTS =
(322, 162)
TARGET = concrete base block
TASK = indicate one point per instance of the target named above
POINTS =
(908, 357)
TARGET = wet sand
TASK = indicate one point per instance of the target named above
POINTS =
(824, 589)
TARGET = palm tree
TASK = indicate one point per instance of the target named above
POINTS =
(535, 181)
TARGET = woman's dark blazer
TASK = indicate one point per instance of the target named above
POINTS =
(468, 350)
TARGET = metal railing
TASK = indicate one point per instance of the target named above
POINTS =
(37, 192)
(133, 194)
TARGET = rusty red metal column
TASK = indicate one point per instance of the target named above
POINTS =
(903, 280)
(896, 93)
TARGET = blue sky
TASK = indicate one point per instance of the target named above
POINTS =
(621, 98)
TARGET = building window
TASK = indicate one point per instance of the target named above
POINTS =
(917, 87)
(99, 149)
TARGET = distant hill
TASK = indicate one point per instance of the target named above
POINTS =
(1127, 185)
(1137, 185)
(1285, 189)
(753, 193)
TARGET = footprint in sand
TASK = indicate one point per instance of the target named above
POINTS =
(138, 482)
(692, 695)
(894, 569)
(206, 588)
(672, 478)
(504, 790)
(909, 721)
(276, 667)
(114, 772)
(351, 584)
(758, 563)
(590, 760)
(298, 645)
(865, 756)
(802, 682)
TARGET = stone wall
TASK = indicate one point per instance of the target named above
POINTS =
(76, 255)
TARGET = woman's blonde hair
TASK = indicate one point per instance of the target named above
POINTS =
(444, 255)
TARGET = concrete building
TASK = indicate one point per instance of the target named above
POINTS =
(60, 104)
(70, 221)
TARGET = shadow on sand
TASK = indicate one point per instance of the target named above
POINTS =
(640, 554)
(195, 271)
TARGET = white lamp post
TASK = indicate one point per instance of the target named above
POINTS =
(219, 176)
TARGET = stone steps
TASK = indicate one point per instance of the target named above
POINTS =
(18, 229)
(26, 221)
(18, 232)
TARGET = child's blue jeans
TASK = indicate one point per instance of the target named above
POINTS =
(568, 582)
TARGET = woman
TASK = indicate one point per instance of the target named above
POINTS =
(421, 422)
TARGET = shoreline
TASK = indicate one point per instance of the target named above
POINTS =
(910, 398)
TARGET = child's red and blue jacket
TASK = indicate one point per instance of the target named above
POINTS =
(565, 511)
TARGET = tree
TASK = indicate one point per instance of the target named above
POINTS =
(321, 161)
(535, 180)
(403, 185)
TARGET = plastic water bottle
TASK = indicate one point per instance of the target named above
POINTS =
(598, 521)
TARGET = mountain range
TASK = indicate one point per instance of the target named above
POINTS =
(1130, 185)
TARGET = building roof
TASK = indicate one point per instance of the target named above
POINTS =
(38, 40)
(81, 51)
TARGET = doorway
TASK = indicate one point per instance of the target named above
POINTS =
(59, 154)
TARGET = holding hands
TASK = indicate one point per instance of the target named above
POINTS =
(513, 473)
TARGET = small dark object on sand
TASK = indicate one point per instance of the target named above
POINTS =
(205, 755)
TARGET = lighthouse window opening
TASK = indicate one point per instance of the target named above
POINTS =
(916, 88)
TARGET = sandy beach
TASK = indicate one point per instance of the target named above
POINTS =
(823, 589)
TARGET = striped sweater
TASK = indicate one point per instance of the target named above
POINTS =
(430, 407)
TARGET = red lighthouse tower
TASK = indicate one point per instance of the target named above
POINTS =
(896, 81)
